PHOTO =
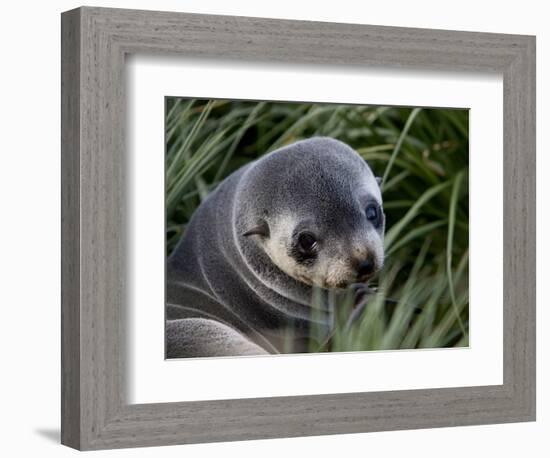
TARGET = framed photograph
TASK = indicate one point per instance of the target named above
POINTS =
(278, 228)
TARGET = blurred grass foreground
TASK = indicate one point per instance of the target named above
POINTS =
(421, 298)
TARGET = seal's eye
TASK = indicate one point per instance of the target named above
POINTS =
(306, 242)
(373, 214)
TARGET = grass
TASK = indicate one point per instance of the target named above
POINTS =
(421, 295)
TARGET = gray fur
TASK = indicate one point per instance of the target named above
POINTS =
(233, 267)
(199, 337)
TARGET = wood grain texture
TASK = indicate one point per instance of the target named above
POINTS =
(70, 229)
(95, 411)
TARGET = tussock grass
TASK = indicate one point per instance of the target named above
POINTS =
(421, 295)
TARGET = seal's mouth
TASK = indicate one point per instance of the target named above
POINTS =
(342, 285)
(341, 279)
(359, 279)
(352, 280)
(364, 278)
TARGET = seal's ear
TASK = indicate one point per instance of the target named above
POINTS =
(261, 229)
(379, 180)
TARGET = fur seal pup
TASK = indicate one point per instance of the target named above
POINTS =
(241, 278)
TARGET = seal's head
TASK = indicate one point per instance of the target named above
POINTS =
(315, 208)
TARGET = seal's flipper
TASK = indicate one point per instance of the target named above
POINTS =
(199, 337)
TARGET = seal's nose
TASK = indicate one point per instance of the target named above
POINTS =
(365, 268)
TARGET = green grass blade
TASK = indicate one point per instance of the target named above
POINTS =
(402, 136)
(247, 124)
(392, 234)
(182, 152)
(414, 234)
(452, 218)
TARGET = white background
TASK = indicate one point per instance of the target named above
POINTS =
(154, 380)
(29, 231)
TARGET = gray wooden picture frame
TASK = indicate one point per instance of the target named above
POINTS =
(95, 412)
